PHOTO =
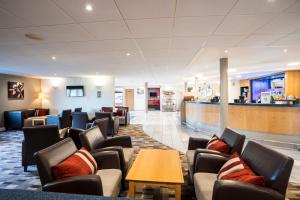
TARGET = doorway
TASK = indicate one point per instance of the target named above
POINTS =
(154, 98)
(129, 99)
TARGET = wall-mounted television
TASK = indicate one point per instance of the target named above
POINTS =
(75, 91)
(153, 94)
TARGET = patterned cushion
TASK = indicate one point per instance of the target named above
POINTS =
(80, 163)
(236, 169)
(215, 143)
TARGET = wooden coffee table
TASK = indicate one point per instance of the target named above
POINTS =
(155, 167)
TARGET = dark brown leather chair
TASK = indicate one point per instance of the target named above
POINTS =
(274, 166)
(113, 122)
(198, 145)
(35, 139)
(107, 109)
(63, 121)
(105, 182)
(124, 119)
(103, 125)
(94, 141)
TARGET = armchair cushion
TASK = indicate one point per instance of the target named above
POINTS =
(204, 183)
(215, 143)
(123, 141)
(128, 155)
(80, 163)
(120, 112)
(237, 170)
(111, 179)
(195, 143)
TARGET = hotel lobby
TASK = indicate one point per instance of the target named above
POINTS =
(150, 99)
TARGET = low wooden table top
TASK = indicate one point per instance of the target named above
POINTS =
(156, 165)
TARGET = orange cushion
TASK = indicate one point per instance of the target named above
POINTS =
(80, 163)
(215, 143)
(236, 169)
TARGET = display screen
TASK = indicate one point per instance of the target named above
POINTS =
(153, 94)
(75, 91)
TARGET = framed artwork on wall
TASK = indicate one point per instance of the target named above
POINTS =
(15, 90)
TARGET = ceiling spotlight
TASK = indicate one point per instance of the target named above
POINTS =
(128, 54)
(53, 58)
(285, 50)
(88, 7)
(55, 74)
(226, 51)
(97, 73)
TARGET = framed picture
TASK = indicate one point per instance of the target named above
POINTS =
(99, 94)
(15, 90)
(140, 91)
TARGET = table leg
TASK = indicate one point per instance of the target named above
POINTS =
(131, 191)
(177, 192)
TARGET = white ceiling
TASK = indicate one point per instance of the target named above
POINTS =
(168, 40)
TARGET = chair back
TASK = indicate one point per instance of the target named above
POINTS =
(37, 138)
(234, 139)
(78, 110)
(102, 125)
(92, 138)
(80, 120)
(54, 120)
(51, 156)
(66, 118)
(107, 109)
(274, 166)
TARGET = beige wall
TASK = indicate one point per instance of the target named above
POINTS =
(32, 88)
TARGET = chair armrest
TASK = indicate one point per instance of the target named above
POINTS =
(107, 159)
(234, 190)
(209, 163)
(195, 143)
(209, 151)
(90, 184)
(123, 141)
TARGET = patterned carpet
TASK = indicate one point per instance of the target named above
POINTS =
(12, 175)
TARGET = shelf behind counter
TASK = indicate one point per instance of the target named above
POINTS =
(266, 118)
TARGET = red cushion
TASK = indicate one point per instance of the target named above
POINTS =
(120, 112)
(236, 169)
(215, 143)
(80, 163)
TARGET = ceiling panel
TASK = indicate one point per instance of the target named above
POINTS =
(261, 6)
(151, 27)
(102, 10)
(196, 26)
(242, 24)
(295, 8)
(153, 43)
(290, 40)
(7, 20)
(188, 8)
(223, 41)
(187, 42)
(285, 23)
(260, 40)
(140, 9)
(36, 12)
(107, 29)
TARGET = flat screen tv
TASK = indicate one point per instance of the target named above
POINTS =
(75, 91)
(153, 94)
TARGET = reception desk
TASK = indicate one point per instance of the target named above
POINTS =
(265, 118)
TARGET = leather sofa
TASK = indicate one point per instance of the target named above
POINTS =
(198, 145)
(105, 182)
(35, 139)
(62, 121)
(274, 166)
(113, 122)
(94, 141)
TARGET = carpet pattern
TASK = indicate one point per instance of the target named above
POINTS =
(12, 175)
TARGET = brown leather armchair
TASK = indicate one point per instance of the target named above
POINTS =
(105, 182)
(94, 141)
(113, 122)
(35, 139)
(198, 145)
(125, 119)
(274, 166)
(103, 125)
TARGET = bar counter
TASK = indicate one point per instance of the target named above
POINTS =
(265, 118)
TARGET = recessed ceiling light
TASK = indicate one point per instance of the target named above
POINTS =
(53, 58)
(97, 73)
(128, 54)
(226, 51)
(271, 1)
(55, 74)
(88, 7)
(293, 64)
(285, 50)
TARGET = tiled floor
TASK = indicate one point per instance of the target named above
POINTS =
(166, 128)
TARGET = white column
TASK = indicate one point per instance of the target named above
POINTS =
(146, 97)
(223, 93)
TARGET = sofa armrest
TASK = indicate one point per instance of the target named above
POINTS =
(209, 151)
(123, 141)
(107, 159)
(236, 190)
(195, 143)
(209, 163)
(90, 184)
